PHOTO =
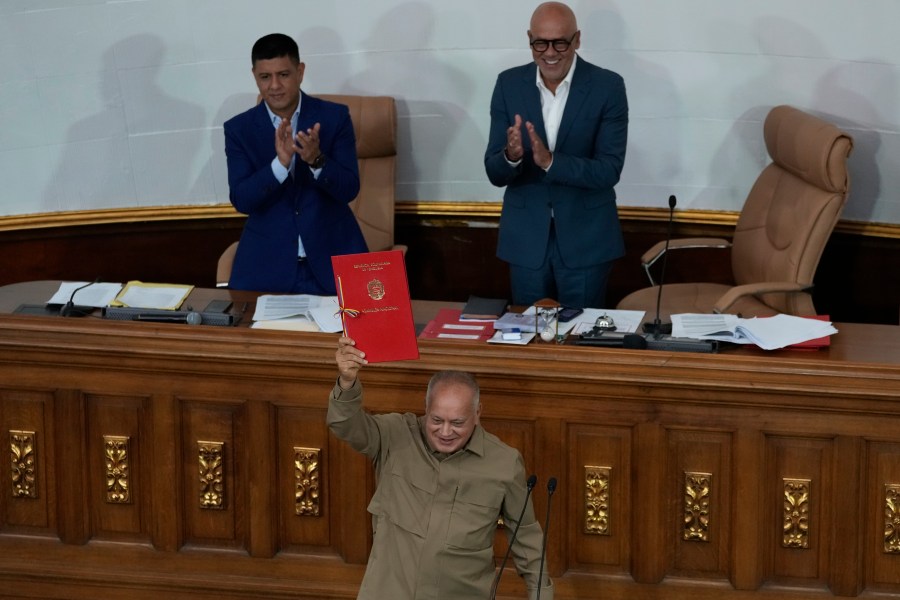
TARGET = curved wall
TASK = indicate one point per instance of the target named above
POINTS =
(109, 105)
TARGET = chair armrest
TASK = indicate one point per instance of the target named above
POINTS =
(659, 249)
(754, 289)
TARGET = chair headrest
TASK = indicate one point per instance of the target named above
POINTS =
(374, 123)
(810, 148)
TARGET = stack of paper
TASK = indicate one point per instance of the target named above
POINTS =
(297, 312)
(769, 333)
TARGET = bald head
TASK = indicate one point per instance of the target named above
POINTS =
(554, 11)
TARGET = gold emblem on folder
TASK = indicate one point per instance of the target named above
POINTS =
(376, 289)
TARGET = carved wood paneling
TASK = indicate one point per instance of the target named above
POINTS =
(882, 475)
(740, 422)
(803, 497)
(601, 501)
(216, 473)
(699, 522)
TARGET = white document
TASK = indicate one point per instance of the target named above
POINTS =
(286, 324)
(769, 333)
(301, 312)
(269, 307)
(96, 295)
(326, 316)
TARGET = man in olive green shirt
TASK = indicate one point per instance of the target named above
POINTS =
(443, 482)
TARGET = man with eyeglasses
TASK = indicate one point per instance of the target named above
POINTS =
(559, 127)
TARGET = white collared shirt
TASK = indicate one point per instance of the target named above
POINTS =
(278, 170)
(553, 105)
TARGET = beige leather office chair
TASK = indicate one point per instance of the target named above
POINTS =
(786, 220)
(375, 126)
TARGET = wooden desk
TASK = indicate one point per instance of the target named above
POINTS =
(194, 462)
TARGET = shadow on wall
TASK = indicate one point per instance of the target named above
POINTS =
(655, 153)
(842, 88)
(439, 144)
(136, 150)
(795, 74)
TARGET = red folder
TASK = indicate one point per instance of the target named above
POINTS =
(373, 294)
(447, 325)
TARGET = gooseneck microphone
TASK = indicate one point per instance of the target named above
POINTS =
(70, 309)
(532, 481)
(658, 328)
(551, 487)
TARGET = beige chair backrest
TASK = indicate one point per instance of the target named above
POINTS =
(793, 207)
(375, 126)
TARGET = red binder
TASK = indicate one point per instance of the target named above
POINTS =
(449, 326)
(373, 293)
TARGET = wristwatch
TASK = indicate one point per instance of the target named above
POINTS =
(319, 162)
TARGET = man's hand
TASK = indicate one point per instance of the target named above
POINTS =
(284, 146)
(349, 361)
(306, 144)
(542, 156)
(514, 150)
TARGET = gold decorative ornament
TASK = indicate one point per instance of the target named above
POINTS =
(23, 463)
(697, 490)
(306, 482)
(116, 457)
(211, 458)
(795, 532)
(596, 500)
(892, 518)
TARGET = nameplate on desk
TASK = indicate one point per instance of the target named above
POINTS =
(170, 316)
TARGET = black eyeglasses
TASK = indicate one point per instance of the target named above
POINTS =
(558, 45)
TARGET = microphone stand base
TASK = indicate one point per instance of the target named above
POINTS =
(75, 311)
(657, 328)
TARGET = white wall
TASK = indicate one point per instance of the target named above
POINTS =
(120, 103)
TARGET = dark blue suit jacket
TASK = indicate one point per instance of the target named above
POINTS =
(587, 162)
(278, 213)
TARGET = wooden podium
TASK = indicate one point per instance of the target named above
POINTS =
(152, 459)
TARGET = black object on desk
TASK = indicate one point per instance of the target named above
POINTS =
(170, 316)
(484, 308)
(637, 341)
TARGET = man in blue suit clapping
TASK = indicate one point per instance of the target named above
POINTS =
(292, 169)
(557, 141)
